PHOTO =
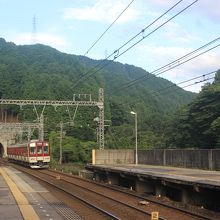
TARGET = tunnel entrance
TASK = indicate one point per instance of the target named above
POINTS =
(1, 150)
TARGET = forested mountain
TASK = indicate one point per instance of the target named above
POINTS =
(41, 72)
(198, 124)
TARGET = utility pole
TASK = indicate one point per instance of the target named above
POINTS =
(61, 142)
(136, 153)
(41, 127)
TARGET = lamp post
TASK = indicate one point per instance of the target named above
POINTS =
(136, 155)
(61, 143)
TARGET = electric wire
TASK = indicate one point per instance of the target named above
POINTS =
(175, 89)
(204, 80)
(116, 52)
(158, 92)
(143, 30)
(176, 114)
(170, 65)
(143, 37)
(108, 28)
(186, 81)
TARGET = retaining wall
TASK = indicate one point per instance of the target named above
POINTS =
(199, 158)
(112, 156)
(207, 159)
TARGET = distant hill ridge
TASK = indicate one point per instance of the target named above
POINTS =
(41, 72)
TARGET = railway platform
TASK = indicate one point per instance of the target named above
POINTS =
(190, 186)
(203, 178)
(22, 197)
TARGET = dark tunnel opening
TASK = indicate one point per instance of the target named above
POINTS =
(1, 150)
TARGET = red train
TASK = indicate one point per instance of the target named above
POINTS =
(35, 154)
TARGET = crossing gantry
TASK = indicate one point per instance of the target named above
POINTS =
(55, 103)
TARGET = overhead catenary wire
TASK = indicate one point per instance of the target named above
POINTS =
(106, 61)
(116, 52)
(192, 84)
(175, 113)
(204, 80)
(175, 88)
(99, 38)
(144, 29)
(143, 37)
(170, 65)
(185, 81)
(183, 87)
(158, 92)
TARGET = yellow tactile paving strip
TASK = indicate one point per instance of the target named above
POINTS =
(26, 209)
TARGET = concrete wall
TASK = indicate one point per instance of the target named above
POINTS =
(208, 159)
(112, 156)
(215, 159)
(199, 158)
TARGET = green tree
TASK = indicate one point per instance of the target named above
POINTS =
(198, 124)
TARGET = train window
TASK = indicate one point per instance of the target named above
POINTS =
(39, 150)
(46, 150)
(32, 150)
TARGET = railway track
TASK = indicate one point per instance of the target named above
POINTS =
(209, 216)
(112, 203)
(107, 202)
(168, 211)
(131, 209)
(90, 210)
(110, 208)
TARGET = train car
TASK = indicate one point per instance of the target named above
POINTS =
(35, 154)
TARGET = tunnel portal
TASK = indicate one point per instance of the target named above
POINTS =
(1, 150)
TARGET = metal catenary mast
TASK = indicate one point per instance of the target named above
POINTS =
(55, 103)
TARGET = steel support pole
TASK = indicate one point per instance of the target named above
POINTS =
(136, 155)
(101, 119)
(61, 143)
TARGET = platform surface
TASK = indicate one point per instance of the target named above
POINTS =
(204, 178)
(8, 206)
(44, 204)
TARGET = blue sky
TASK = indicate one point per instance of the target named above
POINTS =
(73, 26)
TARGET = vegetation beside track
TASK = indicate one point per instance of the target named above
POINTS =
(72, 168)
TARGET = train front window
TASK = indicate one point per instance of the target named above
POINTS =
(32, 150)
(39, 150)
(46, 150)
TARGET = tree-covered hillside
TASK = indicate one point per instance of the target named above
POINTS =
(198, 124)
(41, 72)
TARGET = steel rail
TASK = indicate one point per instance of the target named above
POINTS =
(100, 194)
(28, 171)
(137, 196)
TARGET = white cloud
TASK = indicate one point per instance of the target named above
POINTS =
(103, 11)
(210, 8)
(161, 3)
(176, 33)
(43, 38)
(161, 55)
(205, 8)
